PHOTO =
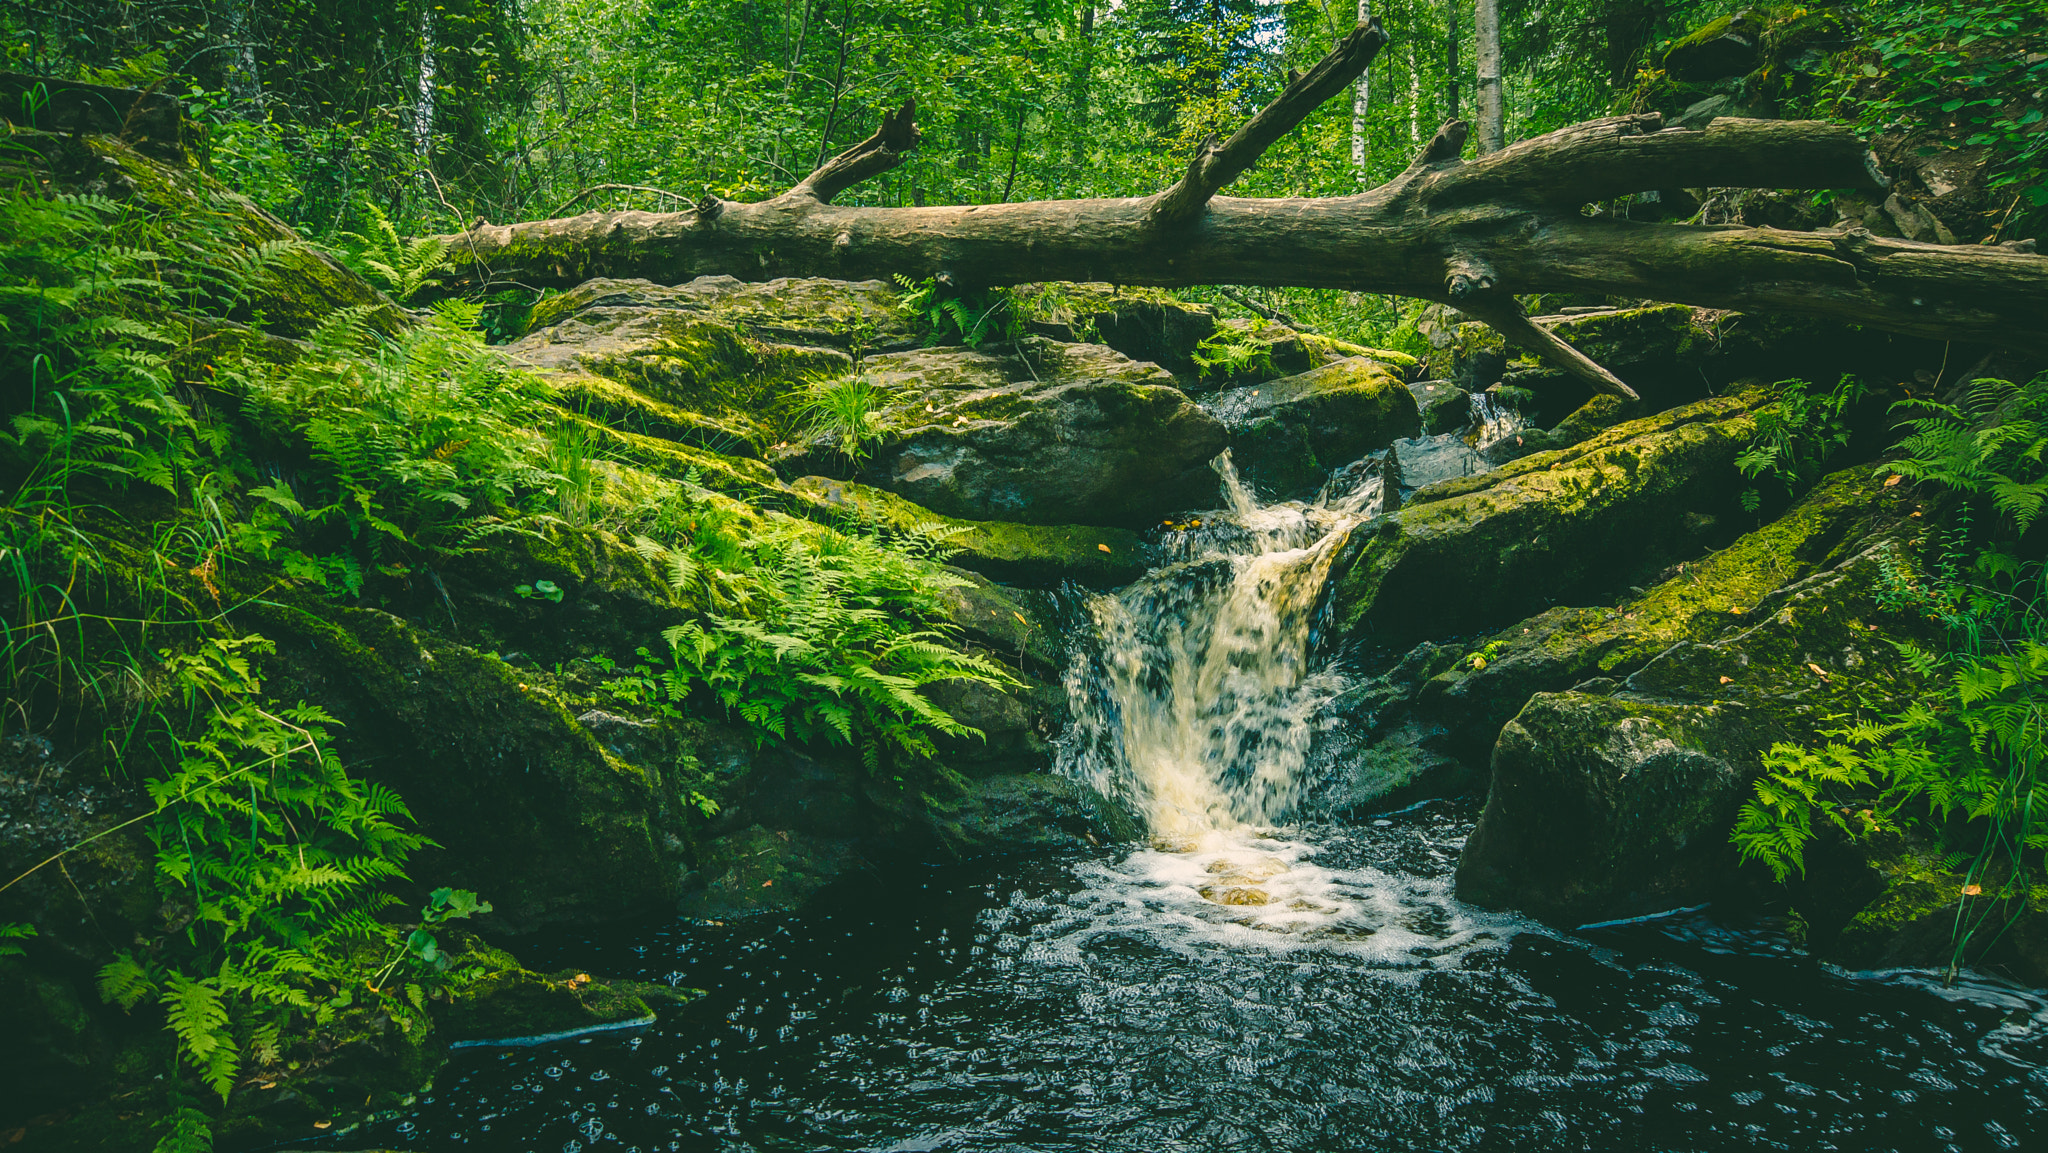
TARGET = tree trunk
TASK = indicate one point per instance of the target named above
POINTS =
(1467, 233)
(1486, 31)
(1361, 101)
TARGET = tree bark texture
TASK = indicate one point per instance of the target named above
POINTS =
(1491, 114)
(1467, 233)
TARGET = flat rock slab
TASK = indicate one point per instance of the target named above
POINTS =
(1047, 434)
(1287, 435)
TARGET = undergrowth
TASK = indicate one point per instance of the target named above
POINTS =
(1964, 765)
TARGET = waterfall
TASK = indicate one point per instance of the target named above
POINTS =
(1199, 709)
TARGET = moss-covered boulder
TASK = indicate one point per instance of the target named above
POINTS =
(1142, 323)
(1046, 434)
(297, 288)
(1720, 48)
(529, 808)
(719, 363)
(1585, 821)
(1286, 435)
(513, 1005)
(1604, 808)
(1484, 550)
(1727, 591)
(1040, 555)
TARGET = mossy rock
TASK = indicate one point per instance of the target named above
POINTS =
(1026, 554)
(1730, 590)
(1477, 552)
(851, 316)
(1287, 435)
(760, 869)
(1603, 808)
(511, 1003)
(1720, 48)
(1146, 324)
(529, 809)
(299, 288)
(1044, 433)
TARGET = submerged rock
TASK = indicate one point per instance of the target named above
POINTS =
(1054, 434)
(1287, 434)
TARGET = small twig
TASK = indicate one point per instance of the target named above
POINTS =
(614, 188)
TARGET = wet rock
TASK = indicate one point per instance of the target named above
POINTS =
(1142, 323)
(1039, 812)
(1042, 556)
(1287, 434)
(1466, 554)
(1056, 434)
(513, 1003)
(760, 869)
(1444, 406)
(1424, 461)
(1603, 808)
(1017, 724)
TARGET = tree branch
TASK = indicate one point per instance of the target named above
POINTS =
(562, 207)
(871, 157)
(1216, 165)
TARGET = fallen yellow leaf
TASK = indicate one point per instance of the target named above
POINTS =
(1727, 680)
(1973, 890)
(766, 884)
(323, 1124)
(1103, 547)
(1817, 670)
(1893, 479)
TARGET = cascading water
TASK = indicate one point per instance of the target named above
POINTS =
(1199, 712)
(1236, 982)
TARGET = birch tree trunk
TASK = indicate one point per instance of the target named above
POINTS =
(1486, 31)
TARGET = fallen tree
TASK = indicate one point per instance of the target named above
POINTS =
(1467, 233)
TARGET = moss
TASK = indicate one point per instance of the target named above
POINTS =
(1016, 553)
(1338, 349)
(1477, 549)
(675, 461)
(617, 404)
(299, 289)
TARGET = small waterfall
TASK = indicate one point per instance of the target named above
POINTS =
(1201, 705)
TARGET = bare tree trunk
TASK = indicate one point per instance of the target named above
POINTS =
(1467, 233)
(1486, 31)
(1451, 110)
(1361, 100)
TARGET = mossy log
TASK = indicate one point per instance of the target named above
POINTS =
(1468, 233)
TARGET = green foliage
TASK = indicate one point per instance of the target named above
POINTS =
(400, 267)
(1967, 764)
(424, 442)
(10, 932)
(1234, 352)
(1976, 69)
(1797, 435)
(971, 318)
(812, 645)
(541, 590)
(852, 411)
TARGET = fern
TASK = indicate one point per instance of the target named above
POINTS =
(400, 267)
(1966, 765)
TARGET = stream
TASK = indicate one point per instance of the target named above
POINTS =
(1247, 978)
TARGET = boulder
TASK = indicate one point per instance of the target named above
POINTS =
(1615, 799)
(1716, 50)
(1039, 555)
(715, 362)
(1051, 434)
(1480, 551)
(1603, 808)
(1142, 323)
(1444, 406)
(1286, 435)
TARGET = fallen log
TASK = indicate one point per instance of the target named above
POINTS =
(1470, 233)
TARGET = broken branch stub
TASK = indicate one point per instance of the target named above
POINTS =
(1216, 165)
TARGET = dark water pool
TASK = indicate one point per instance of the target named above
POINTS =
(1095, 1004)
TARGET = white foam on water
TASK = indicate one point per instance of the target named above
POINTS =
(1199, 712)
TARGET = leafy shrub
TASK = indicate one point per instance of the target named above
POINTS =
(1965, 764)
(971, 318)
(1797, 435)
